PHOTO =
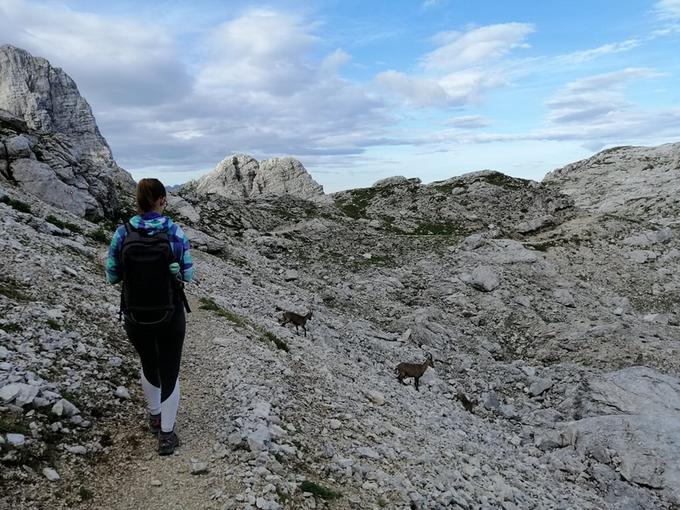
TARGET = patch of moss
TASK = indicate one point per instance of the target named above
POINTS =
(13, 425)
(16, 204)
(11, 290)
(54, 324)
(319, 490)
(449, 186)
(271, 337)
(100, 235)
(63, 224)
(438, 229)
(356, 201)
(211, 305)
(504, 181)
(11, 327)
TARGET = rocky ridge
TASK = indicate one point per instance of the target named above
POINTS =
(645, 179)
(50, 143)
(241, 176)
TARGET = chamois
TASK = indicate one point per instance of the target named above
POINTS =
(296, 319)
(415, 370)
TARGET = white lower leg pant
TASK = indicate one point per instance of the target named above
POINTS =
(152, 394)
(169, 408)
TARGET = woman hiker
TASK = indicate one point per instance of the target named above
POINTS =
(150, 255)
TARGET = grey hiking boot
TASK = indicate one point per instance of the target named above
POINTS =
(167, 442)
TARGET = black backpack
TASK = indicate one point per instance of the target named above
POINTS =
(150, 291)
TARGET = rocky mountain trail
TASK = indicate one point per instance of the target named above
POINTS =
(549, 310)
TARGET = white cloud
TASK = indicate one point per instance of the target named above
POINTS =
(257, 86)
(479, 46)
(114, 61)
(579, 57)
(263, 51)
(668, 9)
(461, 69)
(416, 91)
(469, 122)
(594, 112)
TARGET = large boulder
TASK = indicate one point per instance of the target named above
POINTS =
(631, 419)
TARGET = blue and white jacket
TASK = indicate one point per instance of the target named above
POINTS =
(151, 223)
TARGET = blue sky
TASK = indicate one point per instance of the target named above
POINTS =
(361, 90)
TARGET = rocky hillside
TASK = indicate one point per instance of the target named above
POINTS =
(241, 176)
(552, 325)
(644, 179)
(49, 140)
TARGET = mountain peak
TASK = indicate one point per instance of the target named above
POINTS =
(241, 176)
(52, 145)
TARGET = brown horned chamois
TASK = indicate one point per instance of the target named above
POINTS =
(415, 370)
(296, 319)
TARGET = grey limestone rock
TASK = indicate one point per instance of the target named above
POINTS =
(634, 413)
(241, 176)
(483, 278)
(639, 182)
(41, 105)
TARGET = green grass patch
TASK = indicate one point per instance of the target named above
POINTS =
(437, 229)
(271, 337)
(504, 181)
(356, 201)
(11, 290)
(63, 224)
(13, 425)
(11, 327)
(55, 325)
(16, 204)
(100, 235)
(319, 490)
(211, 305)
(448, 187)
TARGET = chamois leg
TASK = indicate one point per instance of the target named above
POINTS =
(417, 379)
(400, 378)
(304, 329)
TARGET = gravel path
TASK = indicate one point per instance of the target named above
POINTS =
(134, 476)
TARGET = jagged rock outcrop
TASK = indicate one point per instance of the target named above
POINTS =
(241, 176)
(638, 182)
(51, 145)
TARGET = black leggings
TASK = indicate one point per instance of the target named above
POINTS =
(160, 350)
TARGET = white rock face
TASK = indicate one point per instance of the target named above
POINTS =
(632, 421)
(52, 145)
(277, 176)
(637, 181)
(241, 176)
